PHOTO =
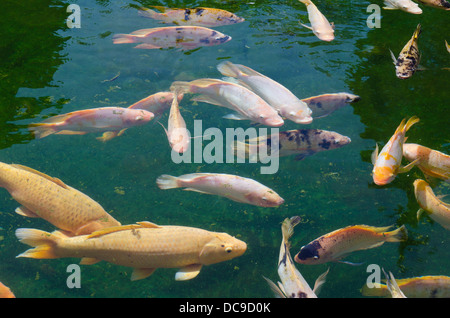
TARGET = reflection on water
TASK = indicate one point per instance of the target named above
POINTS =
(50, 69)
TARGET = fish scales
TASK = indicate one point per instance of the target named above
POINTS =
(49, 198)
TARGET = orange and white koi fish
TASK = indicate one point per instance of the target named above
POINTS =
(436, 209)
(408, 60)
(49, 198)
(233, 187)
(5, 292)
(156, 103)
(144, 246)
(338, 244)
(387, 164)
(416, 287)
(323, 105)
(299, 142)
(206, 17)
(292, 285)
(432, 162)
(182, 37)
(247, 104)
(319, 23)
(91, 120)
(275, 94)
(177, 134)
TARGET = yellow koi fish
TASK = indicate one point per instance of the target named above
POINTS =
(408, 61)
(91, 121)
(143, 246)
(49, 198)
(436, 209)
(338, 244)
(182, 37)
(156, 103)
(236, 188)
(292, 285)
(416, 287)
(206, 17)
(319, 23)
(387, 164)
(5, 292)
(432, 162)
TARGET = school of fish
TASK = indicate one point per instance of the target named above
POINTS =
(83, 229)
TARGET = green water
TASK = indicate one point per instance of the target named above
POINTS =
(48, 69)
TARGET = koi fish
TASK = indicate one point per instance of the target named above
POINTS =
(144, 246)
(239, 189)
(439, 4)
(392, 286)
(5, 292)
(292, 285)
(416, 287)
(91, 120)
(404, 5)
(177, 134)
(205, 17)
(338, 244)
(408, 61)
(246, 104)
(436, 209)
(323, 105)
(319, 23)
(387, 164)
(299, 142)
(275, 94)
(447, 46)
(182, 37)
(432, 162)
(156, 103)
(52, 200)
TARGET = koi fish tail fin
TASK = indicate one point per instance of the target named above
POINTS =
(147, 13)
(123, 38)
(413, 120)
(41, 130)
(418, 31)
(287, 228)
(43, 242)
(379, 290)
(398, 235)
(167, 182)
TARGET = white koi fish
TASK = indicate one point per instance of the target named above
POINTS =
(246, 104)
(182, 37)
(239, 189)
(275, 94)
(387, 164)
(439, 4)
(404, 5)
(433, 163)
(292, 285)
(319, 23)
(177, 134)
(91, 120)
(206, 17)
(323, 105)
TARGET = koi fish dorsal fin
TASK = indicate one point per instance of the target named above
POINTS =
(287, 228)
(55, 180)
(114, 229)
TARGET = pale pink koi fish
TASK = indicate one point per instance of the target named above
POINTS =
(91, 120)
(182, 37)
(233, 187)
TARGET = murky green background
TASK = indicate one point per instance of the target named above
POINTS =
(48, 69)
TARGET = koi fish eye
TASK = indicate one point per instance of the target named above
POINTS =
(139, 117)
(262, 116)
(264, 198)
(228, 249)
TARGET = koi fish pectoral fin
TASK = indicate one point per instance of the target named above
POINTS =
(351, 263)
(407, 167)
(24, 211)
(275, 289)
(394, 60)
(374, 155)
(320, 281)
(141, 273)
(188, 272)
(304, 25)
